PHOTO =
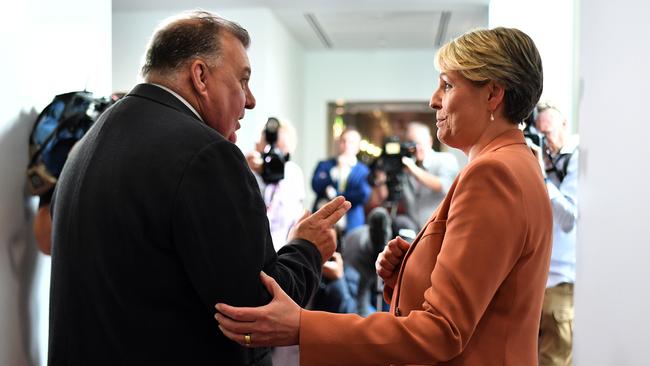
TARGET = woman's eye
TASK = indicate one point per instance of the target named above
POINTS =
(446, 86)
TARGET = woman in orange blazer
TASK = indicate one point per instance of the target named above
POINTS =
(469, 290)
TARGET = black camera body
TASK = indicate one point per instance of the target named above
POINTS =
(532, 134)
(390, 162)
(273, 160)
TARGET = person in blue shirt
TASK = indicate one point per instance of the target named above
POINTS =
(344, 175)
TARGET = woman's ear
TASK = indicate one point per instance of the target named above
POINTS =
(198, 74)
(495, 96)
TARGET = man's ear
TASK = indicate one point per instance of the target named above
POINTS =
(199, 74)
(496, 93)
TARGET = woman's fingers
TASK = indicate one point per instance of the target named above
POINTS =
(232, 336)
(239, 314)
(233, 326)
(271, 285)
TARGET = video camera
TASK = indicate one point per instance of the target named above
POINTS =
(390, 162)
(273, 160)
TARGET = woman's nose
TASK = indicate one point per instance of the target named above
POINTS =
(436, 101)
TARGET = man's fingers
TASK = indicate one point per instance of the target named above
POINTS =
(329, 208)
(337, 214)
(337, 258)
(329, 265)
(304, 215)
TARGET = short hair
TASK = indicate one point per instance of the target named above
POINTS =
(191, 35)
(290, 135)
(507, 56)
(349, 129)
(546, 105)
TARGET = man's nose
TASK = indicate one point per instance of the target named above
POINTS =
(250, 100)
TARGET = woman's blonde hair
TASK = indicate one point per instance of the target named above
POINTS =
(506, 56)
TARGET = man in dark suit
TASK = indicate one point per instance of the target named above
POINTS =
(157, 216)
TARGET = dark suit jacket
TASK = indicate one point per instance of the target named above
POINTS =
(357, 190)
(156, 219)
(470, 288)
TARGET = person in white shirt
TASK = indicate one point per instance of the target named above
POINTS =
(284, 199)
(561, 172)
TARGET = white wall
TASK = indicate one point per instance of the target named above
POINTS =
(275, 56)
(48, 48)
(357, 76)
(613, 279)
(550, 23)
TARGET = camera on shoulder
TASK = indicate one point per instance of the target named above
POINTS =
(273, 160)
(390, 162)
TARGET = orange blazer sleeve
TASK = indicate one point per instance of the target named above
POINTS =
(484, 238)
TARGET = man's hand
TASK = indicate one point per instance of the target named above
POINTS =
(333, 270)
(389, 261)
(318, 227)
(254, 160)
(410, 164)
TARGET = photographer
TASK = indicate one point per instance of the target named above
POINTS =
(280, 179)
(429, 174)
(560, 168)
(56, 130)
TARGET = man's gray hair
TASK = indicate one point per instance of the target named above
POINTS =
(194, 34)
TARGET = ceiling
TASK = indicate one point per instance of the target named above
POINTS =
(353, 24)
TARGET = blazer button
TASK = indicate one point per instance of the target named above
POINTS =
(397, 312)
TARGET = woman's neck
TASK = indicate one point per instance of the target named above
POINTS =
(495, 128)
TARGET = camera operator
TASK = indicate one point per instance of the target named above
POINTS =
(429, 174)
(560, 168)
(280, 179)
(53, 136)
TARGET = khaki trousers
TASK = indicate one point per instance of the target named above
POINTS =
(556, 327)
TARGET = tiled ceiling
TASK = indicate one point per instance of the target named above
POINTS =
(355, 24)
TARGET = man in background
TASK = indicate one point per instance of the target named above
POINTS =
(429, 174)
(344, 175)
(157, 217)
(561, 172)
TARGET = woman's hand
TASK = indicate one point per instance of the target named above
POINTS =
(274, 324)
(389, 261)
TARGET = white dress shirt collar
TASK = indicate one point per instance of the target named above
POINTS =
(180, 98)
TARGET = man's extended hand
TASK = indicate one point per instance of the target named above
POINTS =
(318, 227)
